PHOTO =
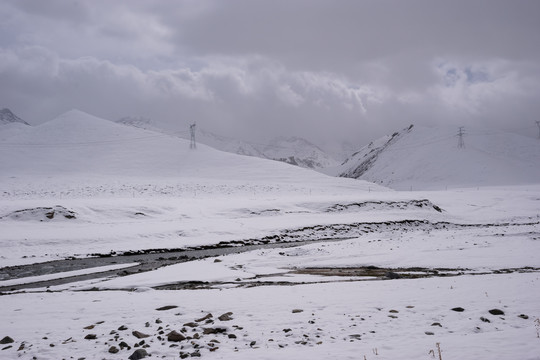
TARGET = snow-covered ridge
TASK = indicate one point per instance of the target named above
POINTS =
(7, 117)
(430, 158)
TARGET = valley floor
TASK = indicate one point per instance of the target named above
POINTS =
(479, 247)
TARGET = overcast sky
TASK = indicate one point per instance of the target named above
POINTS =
(324, 70)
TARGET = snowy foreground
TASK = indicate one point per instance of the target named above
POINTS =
(383, 275)
(278, 311)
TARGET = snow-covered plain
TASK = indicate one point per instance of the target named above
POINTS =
(80, 185)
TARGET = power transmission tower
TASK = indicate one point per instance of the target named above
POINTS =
(192, 144)
(538, 123)
(461, 132)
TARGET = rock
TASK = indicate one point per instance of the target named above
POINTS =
(523, 316)
(158, 321)
(122, 328)
(458, 309)
(191, 324)
(89, 327)
(496, 312)
(167, 307)
(147, 324)
(6, 340)
(91, 337)
(225, 317)
(175, 336)
(123, 345)
(184, 355)
(195, 354)
(393, 311)
(206, 317)
(252, 343)
(436, 324)
(140, 335)
(484, 319)
(429, 333)
(286, 330)
(113, 350)
(232, 336)
(392, 275)
(208, 331)
(138, 354)
(21, 347)
(296, 311)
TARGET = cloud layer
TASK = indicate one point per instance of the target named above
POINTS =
(327, 71)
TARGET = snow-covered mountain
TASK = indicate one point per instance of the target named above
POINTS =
(297, 151)
(429, 158)
(7, 117)
(291, 150)
(78, 144)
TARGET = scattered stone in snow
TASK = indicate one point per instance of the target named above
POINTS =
(429, 333)
(138, 354)
(123, 345)
(6, 340)
(122, 328)
(21, 347)
(392, 275)
(139, 335)
(496, 312)
(175, 336)
(523, 316)
(436, 324)
(217, 260)
(113, 350)
(191, 324)
(167, 307)
(252, 343)
(458, 309)
(225, 317)
(393, 311)
(286, 330)
(232, 336)
(296, 311)
(484, 319)
(147, 324)
(207, 331)
(158, 321)
(91, 337)
(7, 347)
(89, 327)
(206, 317)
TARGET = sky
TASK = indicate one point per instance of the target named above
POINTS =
(328, 71)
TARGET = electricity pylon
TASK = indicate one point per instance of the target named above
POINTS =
(461, 132)
(192, 144)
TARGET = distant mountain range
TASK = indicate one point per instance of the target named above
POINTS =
(430, 158)
(7, 117)
(291, 150)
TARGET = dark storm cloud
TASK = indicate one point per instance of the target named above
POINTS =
(320, 69)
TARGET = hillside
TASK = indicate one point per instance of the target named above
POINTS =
(291, 150)
(80, 144)
(429, 158)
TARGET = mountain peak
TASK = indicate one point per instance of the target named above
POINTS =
(6, 117)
